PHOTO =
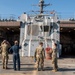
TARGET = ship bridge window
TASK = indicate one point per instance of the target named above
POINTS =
(45, 28)
(33, 30)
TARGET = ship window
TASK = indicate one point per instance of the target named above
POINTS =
(44, 28)
(35, 30)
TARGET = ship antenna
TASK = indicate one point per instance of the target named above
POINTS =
(41, 5)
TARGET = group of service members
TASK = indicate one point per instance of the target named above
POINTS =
(5, 46)
(39, 55)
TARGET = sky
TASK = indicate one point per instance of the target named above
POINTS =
(64, 8)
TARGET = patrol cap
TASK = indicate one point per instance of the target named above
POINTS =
(4, 41)
(40, 42)
(55, 43)
(16, 42)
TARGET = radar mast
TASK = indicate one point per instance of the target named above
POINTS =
(42, 5)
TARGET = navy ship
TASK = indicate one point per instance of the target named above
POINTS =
(36, 28)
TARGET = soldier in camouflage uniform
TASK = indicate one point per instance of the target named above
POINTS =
(54, 57)
(39, 56)
(4, 49)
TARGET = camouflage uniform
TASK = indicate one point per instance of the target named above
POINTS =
(4, 48)
(39, 56)
(54, 58)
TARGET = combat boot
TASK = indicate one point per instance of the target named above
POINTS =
(37, 69)
(6, 67)
(3, 67)
(42, 69)
(54, 70)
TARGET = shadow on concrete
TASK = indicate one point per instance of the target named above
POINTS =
(47, 68)
(28, 69)
(28, 64)
(59, 69)
(67, 56)
(22, 69)
(66, 69)
(20, 64)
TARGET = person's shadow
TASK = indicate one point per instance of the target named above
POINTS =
(59, 69)
(66, 69)
(47, 68)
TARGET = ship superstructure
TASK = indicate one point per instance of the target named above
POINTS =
(41, 27)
